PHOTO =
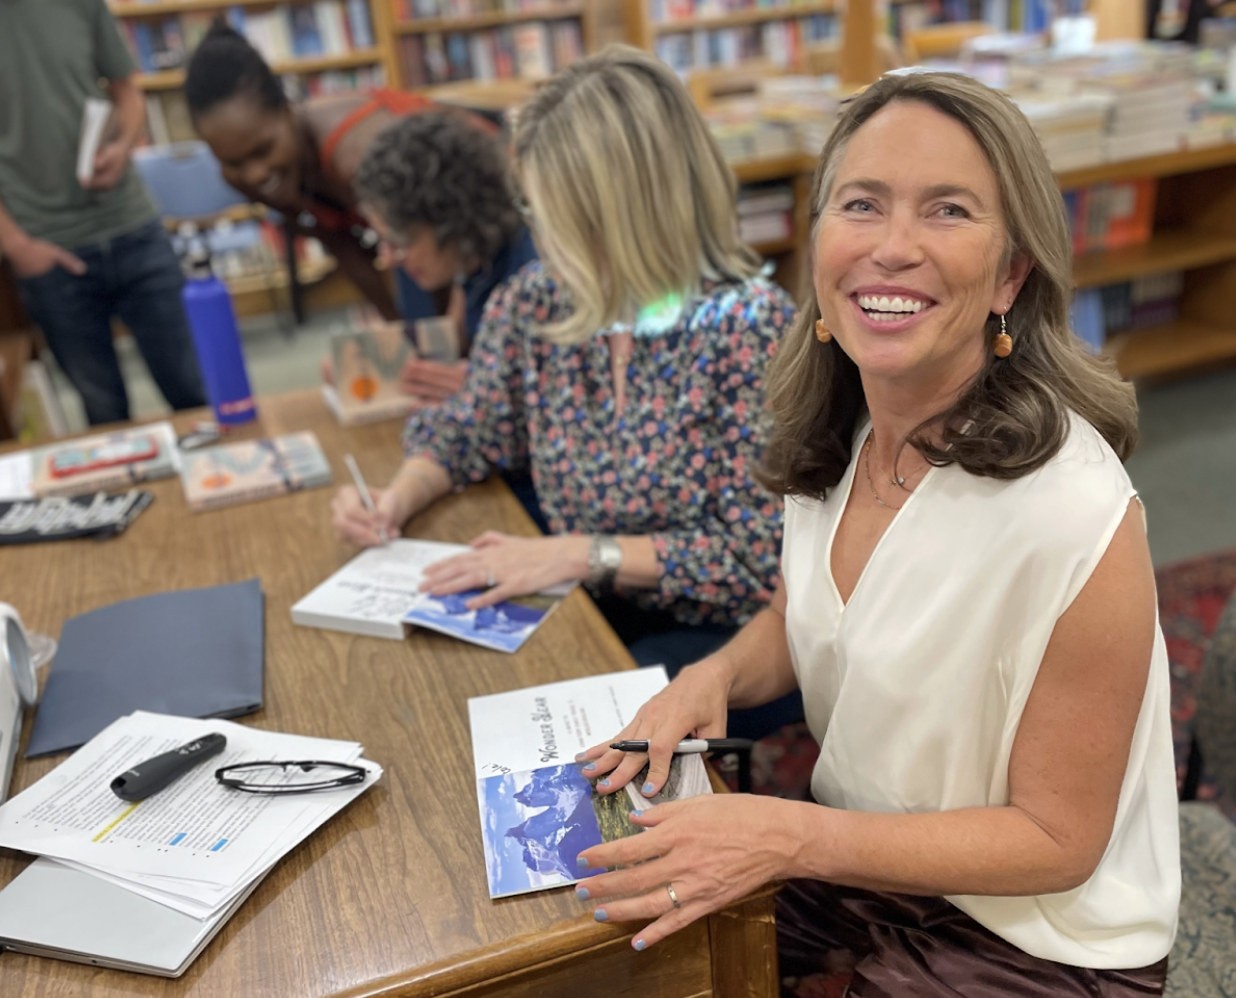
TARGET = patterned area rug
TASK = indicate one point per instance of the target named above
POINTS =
(1192, 596)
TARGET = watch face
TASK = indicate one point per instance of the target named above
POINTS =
(17, 653)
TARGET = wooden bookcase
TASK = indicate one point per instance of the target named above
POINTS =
(1194, 232)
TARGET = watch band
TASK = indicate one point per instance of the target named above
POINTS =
(604, 559)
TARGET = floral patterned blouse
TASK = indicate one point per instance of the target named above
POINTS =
(675, 464)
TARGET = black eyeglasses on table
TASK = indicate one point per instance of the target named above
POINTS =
(300, 777)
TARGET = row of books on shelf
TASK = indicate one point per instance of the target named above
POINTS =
(664, 11)
(1099, 313)
(306, 30)
(533, 50)
(777, 42)
(167, 111)
(1029, 16)
(418, 10)
(1111, 216)
(284, 33)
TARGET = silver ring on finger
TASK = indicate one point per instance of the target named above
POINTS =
(490, 581)
(673, 897)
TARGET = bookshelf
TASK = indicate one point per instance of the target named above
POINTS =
(441, 43)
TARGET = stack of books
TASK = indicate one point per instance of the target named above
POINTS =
(787, 115)
(418, 10)
(1072, 129)
(766, 213)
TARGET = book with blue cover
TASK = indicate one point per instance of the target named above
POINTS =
(378, 594)
(538, 810)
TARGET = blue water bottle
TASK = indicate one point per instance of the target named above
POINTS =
(217, 340)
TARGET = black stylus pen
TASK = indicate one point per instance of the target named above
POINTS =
(692, 745)
(151, 776)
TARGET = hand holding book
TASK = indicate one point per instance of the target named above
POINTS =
(694, 705)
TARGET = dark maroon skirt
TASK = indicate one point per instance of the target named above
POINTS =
(899, 946)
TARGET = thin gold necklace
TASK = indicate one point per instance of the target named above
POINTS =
(867, 465)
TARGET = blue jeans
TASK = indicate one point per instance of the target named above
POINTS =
(134, 276)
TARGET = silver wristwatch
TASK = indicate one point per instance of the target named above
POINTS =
(604, 560)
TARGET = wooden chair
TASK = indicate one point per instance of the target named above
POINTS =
(941, 41)
(1201, 961)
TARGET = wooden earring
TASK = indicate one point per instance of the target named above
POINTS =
(822, 332)
(1004, 342)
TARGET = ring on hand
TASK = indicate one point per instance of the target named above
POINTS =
(490, 581)
(673, 897)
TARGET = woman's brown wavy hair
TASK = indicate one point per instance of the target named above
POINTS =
(1015, 412)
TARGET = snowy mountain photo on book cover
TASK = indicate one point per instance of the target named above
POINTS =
(502, 627)
(536, 823)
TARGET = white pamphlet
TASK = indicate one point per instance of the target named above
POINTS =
(16, 476)
(378, 594)
(537, 804)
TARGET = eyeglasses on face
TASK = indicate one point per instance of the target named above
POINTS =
(299, 777)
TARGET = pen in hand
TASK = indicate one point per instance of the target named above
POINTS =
(692, 746)
(363, 489)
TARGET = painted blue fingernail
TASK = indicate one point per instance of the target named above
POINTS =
(582, 893)
(590, 766)
(636, 814)
(602, 783)
(640, 944)
(600, 915)
(579, 755)
(581, 862)
(648, 787)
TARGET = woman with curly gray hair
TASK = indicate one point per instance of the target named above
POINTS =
(440, 194)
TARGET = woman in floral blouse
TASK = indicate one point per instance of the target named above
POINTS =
(626, 373)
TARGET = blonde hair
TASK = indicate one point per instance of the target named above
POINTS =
(632, 199)
(1013, 417)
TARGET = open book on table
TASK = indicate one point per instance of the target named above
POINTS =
(378, 594)
(538, 810)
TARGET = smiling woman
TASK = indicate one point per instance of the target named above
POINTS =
(966, 604)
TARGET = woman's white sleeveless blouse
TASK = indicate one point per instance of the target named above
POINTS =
(916, 687)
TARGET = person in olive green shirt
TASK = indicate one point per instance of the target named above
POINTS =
(84, 252)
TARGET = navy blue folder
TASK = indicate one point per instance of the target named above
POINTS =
(194, 653)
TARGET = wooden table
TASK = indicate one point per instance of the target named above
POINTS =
(390, 897)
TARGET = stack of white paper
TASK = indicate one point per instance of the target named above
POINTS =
(194, 846)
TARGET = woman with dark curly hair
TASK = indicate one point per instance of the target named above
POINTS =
(302, 160)
(441, 196)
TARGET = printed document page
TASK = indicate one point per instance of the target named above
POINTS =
(195, 830)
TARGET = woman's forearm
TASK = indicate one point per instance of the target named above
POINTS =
(419, 483)
(998, 851)
(640, 568)
(757, 661)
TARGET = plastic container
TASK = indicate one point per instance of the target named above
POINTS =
(216, 338)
